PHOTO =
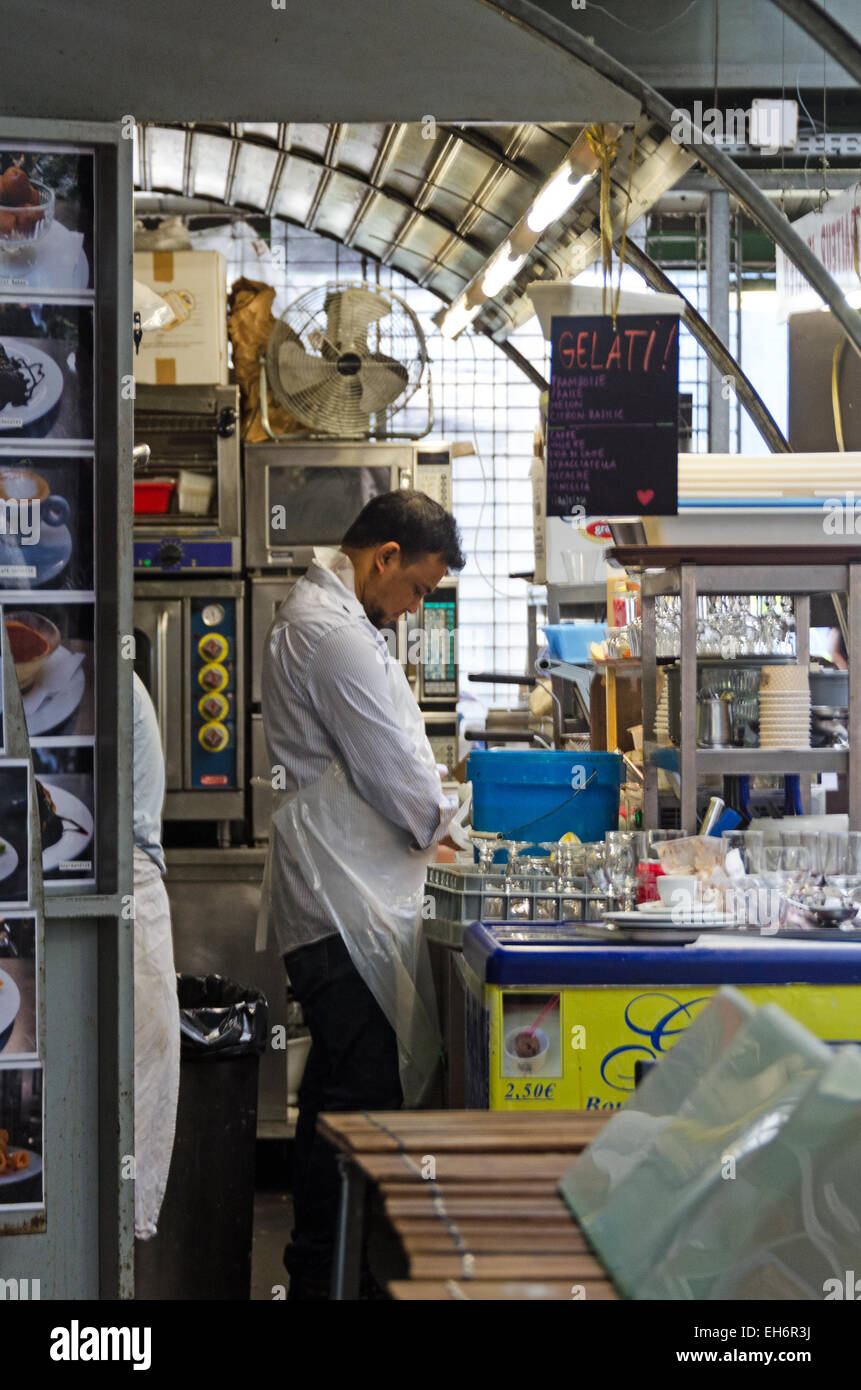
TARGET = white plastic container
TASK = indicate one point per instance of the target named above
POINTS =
(195, 491)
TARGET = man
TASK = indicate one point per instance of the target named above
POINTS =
(349, 844)
(156, 1005)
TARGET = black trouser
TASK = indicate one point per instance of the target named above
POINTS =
(352, 1065)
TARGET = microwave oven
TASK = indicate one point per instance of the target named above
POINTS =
(306, 494)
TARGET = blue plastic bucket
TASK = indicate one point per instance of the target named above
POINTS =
(533, 795)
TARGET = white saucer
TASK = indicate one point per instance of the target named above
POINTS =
(8, 860)
(72, 843)
(57, 708)
(10, 1001)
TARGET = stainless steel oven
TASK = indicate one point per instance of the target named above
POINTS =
(306, 494)
(187, 496)
(190, 654)
(267, 595)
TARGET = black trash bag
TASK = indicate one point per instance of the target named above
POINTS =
(220, 1018)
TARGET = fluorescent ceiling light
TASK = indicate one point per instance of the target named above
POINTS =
(555, 199)
(501, 269)
(457, 318)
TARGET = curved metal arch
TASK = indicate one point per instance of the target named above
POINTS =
(528, 15)
(826, 31)
(717, 350)
(327, 168)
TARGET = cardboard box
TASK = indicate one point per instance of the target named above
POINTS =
(193, 350)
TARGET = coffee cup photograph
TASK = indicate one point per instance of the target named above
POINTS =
(46, 524)
(18, 974)
(52, 653)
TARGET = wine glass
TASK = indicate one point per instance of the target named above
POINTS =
(621, 859)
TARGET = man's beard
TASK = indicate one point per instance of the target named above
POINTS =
(375, 614)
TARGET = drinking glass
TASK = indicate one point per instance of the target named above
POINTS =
(748, 844)
(621, 859)
(660, 837)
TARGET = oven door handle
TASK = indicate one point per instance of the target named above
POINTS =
(161, 676)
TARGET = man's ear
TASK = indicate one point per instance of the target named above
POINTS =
(386, 554)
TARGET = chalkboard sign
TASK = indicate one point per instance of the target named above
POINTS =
(613, 434)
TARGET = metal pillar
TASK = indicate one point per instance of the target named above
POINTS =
(718, 287)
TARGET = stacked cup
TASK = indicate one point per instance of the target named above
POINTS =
(784, 707)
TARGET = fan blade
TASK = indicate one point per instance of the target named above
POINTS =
(350, 313)
(299, 370)
(382, 382)
(335, 405)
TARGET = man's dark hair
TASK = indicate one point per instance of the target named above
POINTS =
(418, 524)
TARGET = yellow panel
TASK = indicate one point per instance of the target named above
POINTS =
(595, 1036)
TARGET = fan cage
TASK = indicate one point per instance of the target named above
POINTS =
(343, 372)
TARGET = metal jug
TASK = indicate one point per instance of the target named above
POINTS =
(714, 721)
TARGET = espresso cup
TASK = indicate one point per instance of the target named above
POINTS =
(21, 485)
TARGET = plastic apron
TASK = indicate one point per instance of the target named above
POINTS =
(360, 867)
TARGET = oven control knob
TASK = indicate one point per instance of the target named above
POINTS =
(169, 553)
(213, 677)
(212, 706)
(213, 646)
(213, 737)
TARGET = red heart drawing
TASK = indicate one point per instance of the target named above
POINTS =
(645, 496)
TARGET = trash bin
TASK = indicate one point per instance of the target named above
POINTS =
(203, 1246)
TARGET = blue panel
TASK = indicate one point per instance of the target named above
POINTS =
(193, 555)
(213, 771)
(548, 962)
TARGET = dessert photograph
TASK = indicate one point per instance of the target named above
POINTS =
(18, 1027)
(47, 506)
(65, 802)
(21, 1131)
(46, 371)
(531, 1035)
(46, 221)
(52, 651)
(14, 833)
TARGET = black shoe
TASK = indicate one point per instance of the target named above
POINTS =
(371, 1291)
(308, 1290)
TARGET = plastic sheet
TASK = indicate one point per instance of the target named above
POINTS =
(616, 1152)
(788, 1226)
(219, 1018)
(736, 1108)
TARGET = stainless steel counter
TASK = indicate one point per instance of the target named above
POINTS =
(214, 898)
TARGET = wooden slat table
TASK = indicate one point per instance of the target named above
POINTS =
(472, 1196)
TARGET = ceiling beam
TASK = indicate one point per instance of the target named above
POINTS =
(528, 15)
(827, 32)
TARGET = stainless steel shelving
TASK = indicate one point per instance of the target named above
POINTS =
(735, 570)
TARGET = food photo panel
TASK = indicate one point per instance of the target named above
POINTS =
(52, 651)
(531, 1043)
(18, 1026)
(65, 802)
(14, 832)
(46, 372)
(21, 1137)
(46, 523)
(46, 220)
